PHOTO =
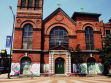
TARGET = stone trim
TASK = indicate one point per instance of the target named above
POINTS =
(67, 60)
(26, 50)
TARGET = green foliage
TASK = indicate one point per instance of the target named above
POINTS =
(78, 56)
(106, 51)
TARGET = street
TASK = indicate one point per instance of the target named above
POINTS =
(98, 79)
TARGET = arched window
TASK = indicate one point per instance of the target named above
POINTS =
(23, 3)
(27, 36)
(89, 38)
(59, 35)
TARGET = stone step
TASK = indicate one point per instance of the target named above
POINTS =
(59, 75)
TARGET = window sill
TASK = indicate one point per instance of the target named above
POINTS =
(89, 51)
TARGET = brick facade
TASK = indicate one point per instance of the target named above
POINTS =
(75, 26)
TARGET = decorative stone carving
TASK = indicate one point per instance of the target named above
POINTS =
(80, 24)
(18, 21)
(96, 24)
(59, 17)
(38, 21)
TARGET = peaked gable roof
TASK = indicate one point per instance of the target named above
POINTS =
(59, 9)
(59, 47)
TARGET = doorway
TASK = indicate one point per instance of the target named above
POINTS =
(59, 66)
(25, 66)
(91, 65)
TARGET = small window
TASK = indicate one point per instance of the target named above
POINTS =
(107, 32)
(36, 3)
(30, 3)
(23, 3)
(101, 32)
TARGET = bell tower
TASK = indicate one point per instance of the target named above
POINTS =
(27, 37)
(29, 12)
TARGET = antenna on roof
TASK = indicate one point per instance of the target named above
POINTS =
(82, 9)
(58, 5)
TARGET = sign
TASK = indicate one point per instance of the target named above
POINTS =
(8, 41)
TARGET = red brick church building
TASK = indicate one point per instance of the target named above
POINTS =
(42, 46)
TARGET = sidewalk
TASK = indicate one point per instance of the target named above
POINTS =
(3, 75)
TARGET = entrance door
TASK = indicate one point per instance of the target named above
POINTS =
(91, 66)
(59, 66)
(25, 66)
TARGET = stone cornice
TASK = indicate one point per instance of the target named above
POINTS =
(30, 50)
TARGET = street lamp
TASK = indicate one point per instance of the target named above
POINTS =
(11, 41)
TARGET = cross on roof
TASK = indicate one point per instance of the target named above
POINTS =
(59, 42)
(58, 5)
(82, 9)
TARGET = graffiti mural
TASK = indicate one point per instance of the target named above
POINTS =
(15, 68)
(44, 68)
(91, 67)
(74, 68)
(99, 68)
(35, 69)
(83, 68)
(25, 68)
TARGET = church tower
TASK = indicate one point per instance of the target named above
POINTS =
(27, 38)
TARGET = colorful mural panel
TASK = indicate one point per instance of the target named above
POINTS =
(44, 68)
(99, 68)
(15, 68)
(74, 68)
(35, 69)
(91, 68)
(83, 68)
(25, 68)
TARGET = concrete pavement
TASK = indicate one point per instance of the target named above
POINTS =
(99, 79)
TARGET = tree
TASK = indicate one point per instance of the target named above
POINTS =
(105, 53)
(78, 56)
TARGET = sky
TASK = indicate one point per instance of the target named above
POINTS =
(102, 7)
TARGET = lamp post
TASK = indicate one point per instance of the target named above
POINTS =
(11, 41)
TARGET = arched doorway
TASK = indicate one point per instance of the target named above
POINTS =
(91, 66)
(25, 66)
(59, 66)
